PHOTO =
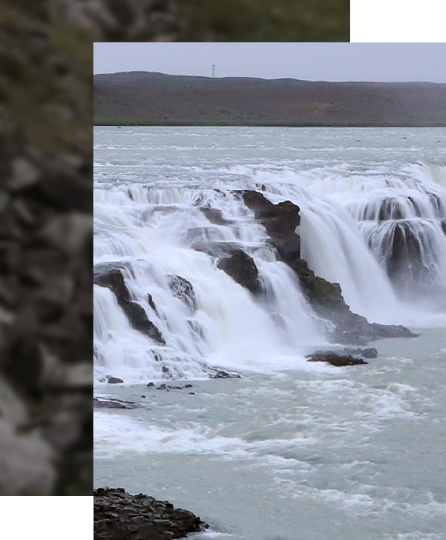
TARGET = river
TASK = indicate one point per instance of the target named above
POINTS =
(290, 450)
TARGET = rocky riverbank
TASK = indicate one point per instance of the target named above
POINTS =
(119, 515)
(45, 252)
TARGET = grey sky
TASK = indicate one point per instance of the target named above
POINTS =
(311, 61)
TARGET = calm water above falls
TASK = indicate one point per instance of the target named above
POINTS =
(292, 450)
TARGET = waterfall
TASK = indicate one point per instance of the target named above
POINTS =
(153, 235)
(380, 234)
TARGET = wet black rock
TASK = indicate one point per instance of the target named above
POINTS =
(242, 269)
(114, 380)
(114, 280)
(336, 360)
(119, 515)
(183, 290)
(280, 221)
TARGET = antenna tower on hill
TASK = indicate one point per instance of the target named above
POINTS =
(213, 71)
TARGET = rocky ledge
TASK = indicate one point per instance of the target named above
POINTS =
(119, 515)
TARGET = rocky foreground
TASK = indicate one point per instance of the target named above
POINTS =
(119, 515)
(45, 252)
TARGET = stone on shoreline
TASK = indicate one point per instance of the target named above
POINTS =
(119, 515)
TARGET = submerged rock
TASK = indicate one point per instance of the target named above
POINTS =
(119, 515)
(242, 269)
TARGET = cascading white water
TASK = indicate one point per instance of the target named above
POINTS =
(377, 232)
(348, 233)
(403, 223)
(156, 233)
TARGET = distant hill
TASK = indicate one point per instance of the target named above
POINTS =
(145, 98)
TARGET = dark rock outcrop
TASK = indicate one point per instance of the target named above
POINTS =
(336, 360)
(183, 290)
(113, 279)
(119, 515)
(242, 269)
(280, 221)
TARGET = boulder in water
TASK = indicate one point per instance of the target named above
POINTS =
(336, 360)
(114, 380)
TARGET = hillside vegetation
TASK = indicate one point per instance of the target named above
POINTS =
(157, 99)
(263, 20)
